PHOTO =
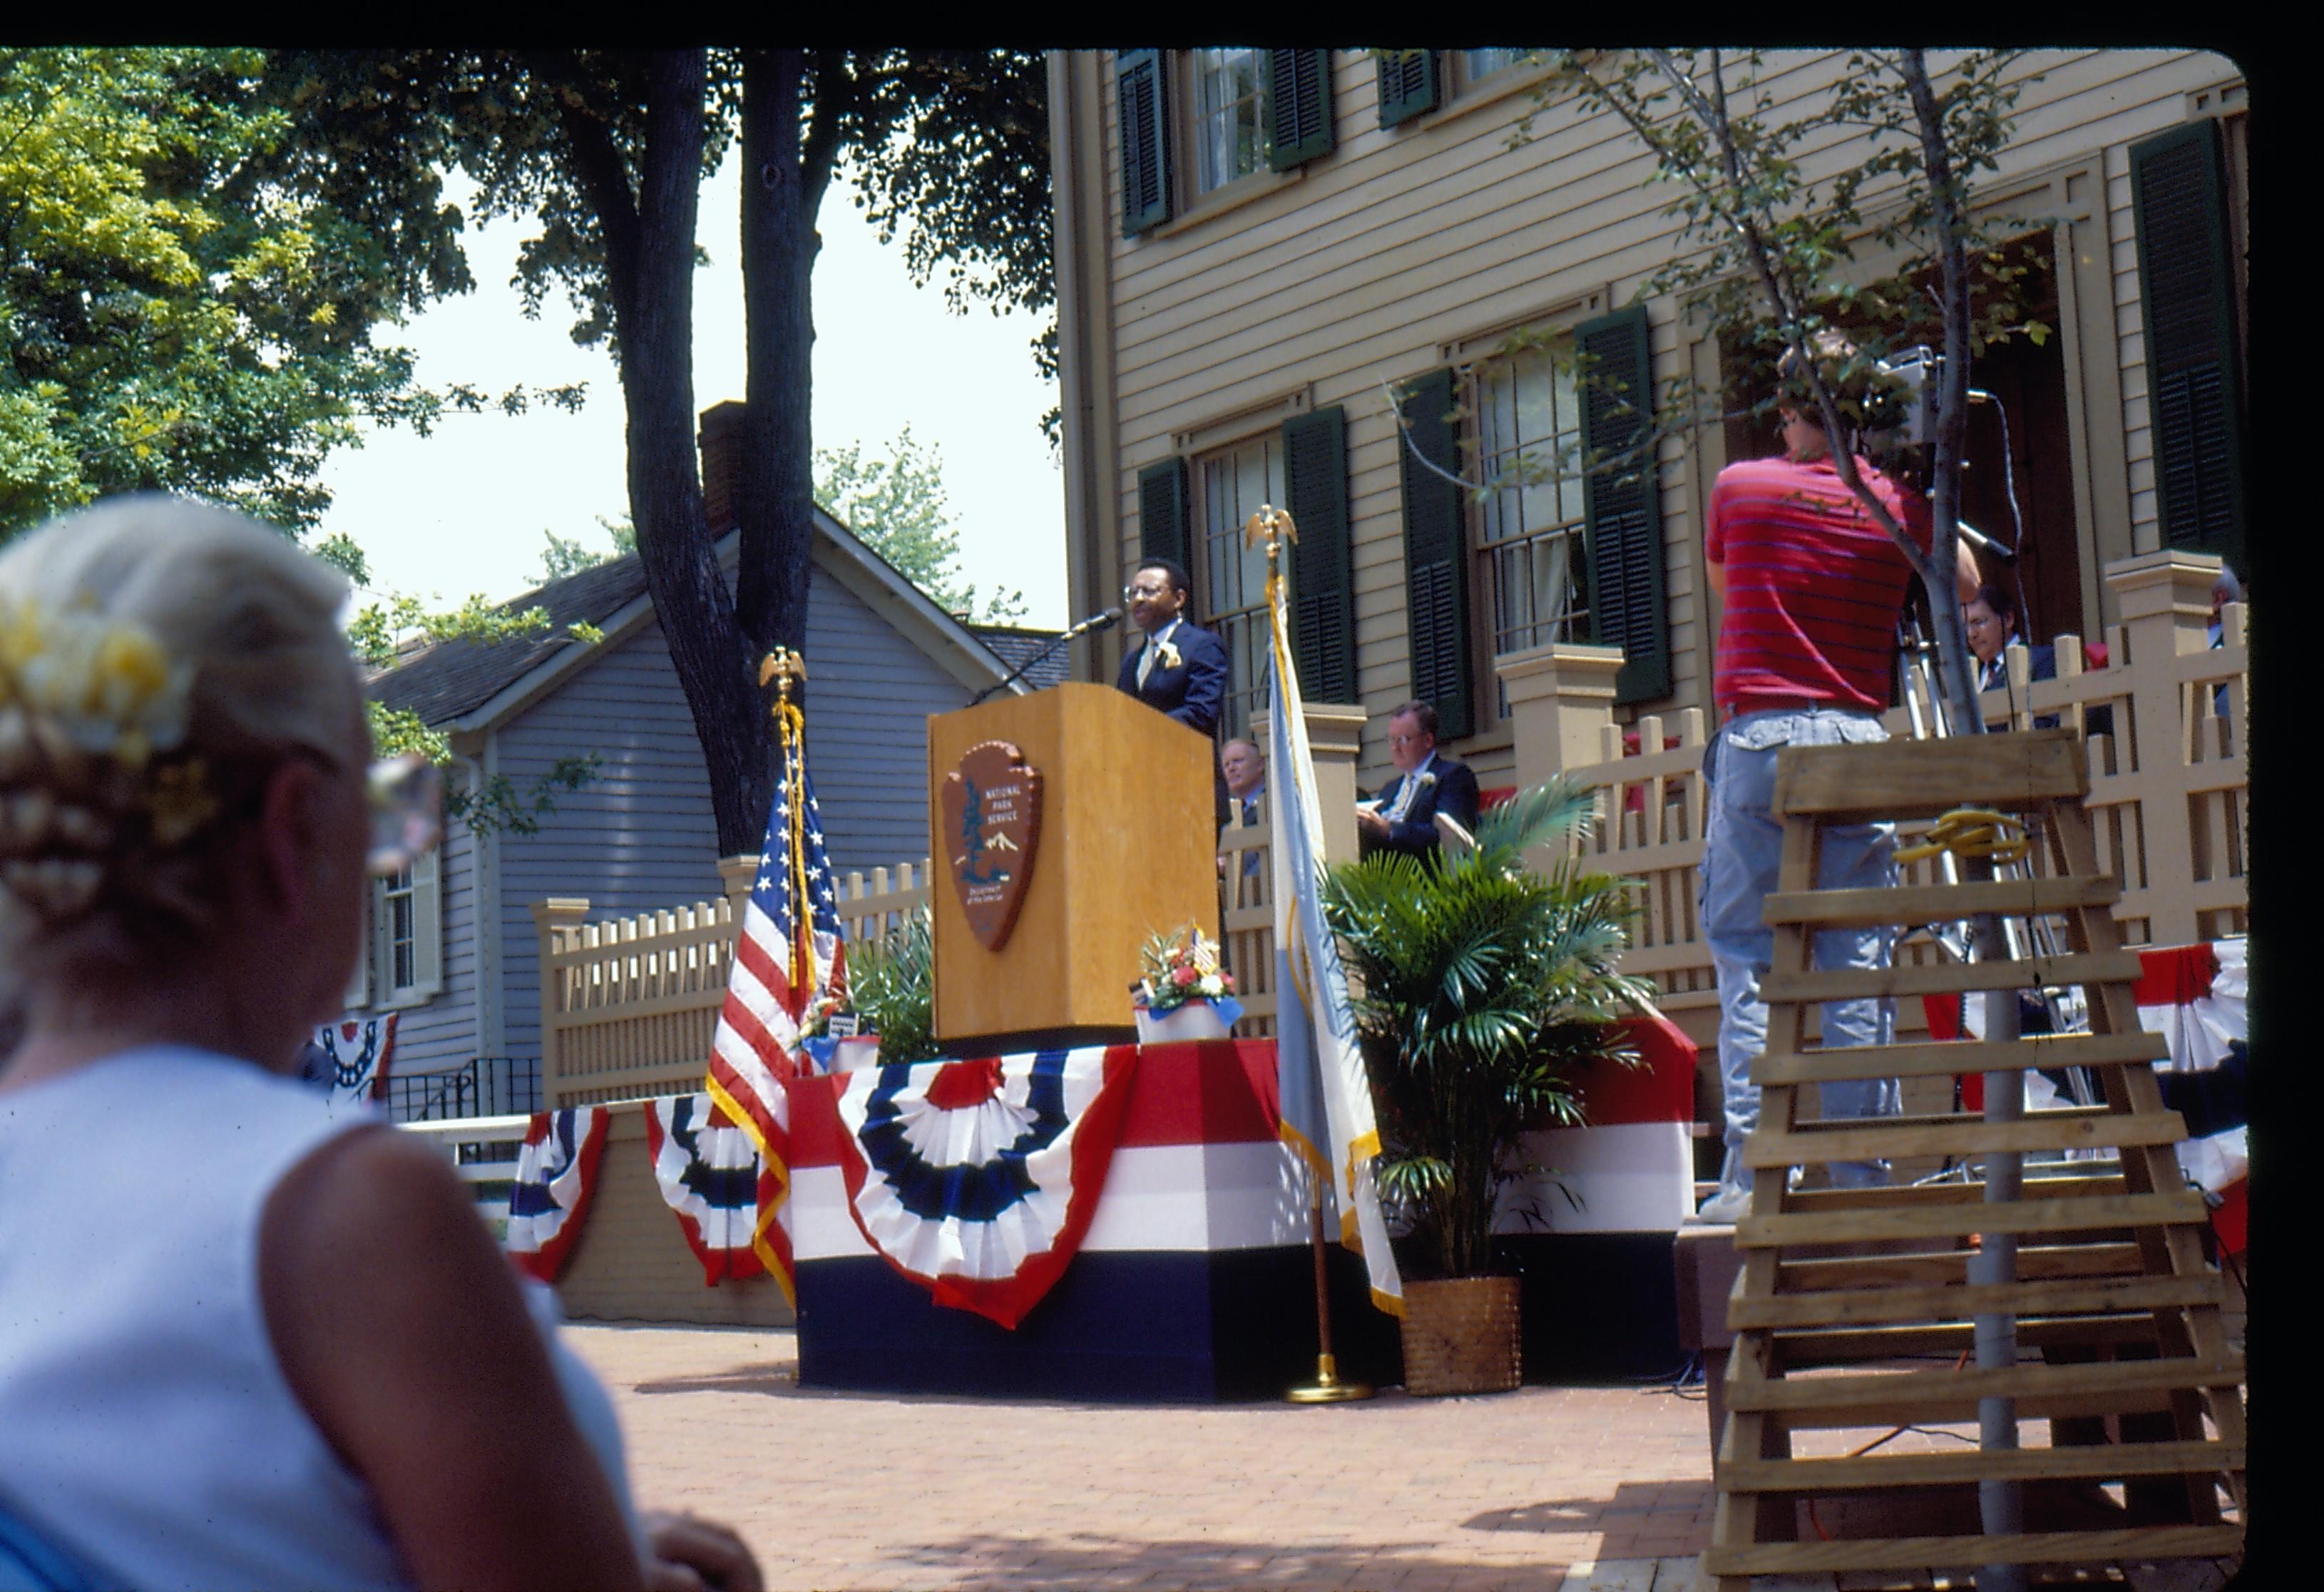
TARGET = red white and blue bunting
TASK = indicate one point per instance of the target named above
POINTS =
(556, 1174)
(355, 1055)
(978, 1179)
(713, 1176)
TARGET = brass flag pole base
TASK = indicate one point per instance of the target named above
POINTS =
(1327, 1388)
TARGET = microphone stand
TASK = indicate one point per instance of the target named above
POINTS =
(1096, 623)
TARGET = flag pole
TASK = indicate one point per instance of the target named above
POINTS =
(1274, 524)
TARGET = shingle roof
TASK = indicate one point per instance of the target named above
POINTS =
(457, 677)
(1012, 646)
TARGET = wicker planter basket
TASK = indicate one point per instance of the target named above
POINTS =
(1460, 1337)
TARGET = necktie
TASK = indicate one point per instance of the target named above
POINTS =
(1152, 650)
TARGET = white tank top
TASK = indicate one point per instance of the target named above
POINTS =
(144, 1422)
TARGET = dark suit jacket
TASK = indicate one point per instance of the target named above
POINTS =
(1195, 694)
(2043, 664)
(1453, 794)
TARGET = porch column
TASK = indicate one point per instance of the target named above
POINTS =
(1561, 705)
(557, 921)
(2165, 602)
(1335, 740)
(736, 873)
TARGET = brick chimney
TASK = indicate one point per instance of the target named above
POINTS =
(720, 435)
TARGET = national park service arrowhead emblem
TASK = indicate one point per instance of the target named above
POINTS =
(991, 822)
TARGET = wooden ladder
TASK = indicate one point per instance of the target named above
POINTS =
(2113, 1286)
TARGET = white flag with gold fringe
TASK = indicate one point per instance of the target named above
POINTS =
(1326, 1092)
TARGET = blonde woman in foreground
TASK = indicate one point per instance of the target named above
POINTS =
(242, 1343)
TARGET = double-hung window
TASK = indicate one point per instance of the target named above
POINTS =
(1529, 544)
(405, 948)
(1232, 583)
(1484, 63)
(1540, 560)
(1194, 121)
(1229, 120)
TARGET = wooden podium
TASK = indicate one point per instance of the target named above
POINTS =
(1125, 845)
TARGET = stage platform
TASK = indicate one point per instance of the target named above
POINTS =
(1194, 1281)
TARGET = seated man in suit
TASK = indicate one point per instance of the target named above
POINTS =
(1403, 815)
(1245, 767)
(1179, 669)
(1991, 619)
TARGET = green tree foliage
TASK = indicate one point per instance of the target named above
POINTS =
(569, 555)
(1485, 986)
(1771, 237)
(606, 151)
(897, 505)
(171, 319)
(188, 304)
(182, 308)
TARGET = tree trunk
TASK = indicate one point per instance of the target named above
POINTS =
(774, 476)
(1950, 222)
(654, 300)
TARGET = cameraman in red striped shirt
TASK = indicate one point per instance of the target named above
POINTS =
(1812, 586)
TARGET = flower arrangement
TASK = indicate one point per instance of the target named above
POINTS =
(89, 709)
(1180, 968)
(817, 1020)
(106, 686)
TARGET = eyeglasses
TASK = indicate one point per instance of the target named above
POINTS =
(1131, 592)
(1397, 740)
(407, 812)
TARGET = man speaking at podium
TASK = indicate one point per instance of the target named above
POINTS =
(1180, 669)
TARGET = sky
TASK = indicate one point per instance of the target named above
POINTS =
(462, 511)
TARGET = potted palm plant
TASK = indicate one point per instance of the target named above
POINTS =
(891, 988)
(1485, 986)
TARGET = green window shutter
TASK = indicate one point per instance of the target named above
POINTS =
(2186, 293)
(1323, 563)
(1408, 85)
(1436, 558)
(1162, 513)
(1141, 107)
(1298, 109)
(1622, 504)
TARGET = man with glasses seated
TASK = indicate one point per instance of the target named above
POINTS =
(1179, 669)
(1403, 815)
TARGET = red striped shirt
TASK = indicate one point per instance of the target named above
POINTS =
(1813, 584)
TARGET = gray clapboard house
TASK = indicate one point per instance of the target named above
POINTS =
(452, 944)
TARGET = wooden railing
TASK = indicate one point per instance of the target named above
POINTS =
(629, 1006)
(1247, 916)
(483, 1151)
(2163, 723)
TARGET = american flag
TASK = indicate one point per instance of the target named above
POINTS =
(784, 958)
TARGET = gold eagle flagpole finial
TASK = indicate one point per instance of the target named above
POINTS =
(1274, 524)
(783, 667)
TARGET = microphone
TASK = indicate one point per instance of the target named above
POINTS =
(1094, 622)
(1105, 621)
(1984, 543)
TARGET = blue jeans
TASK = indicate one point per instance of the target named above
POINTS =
(1742, 849)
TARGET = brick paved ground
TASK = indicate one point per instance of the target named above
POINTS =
(845, 1491)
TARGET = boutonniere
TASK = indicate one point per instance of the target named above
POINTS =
(1424, 781)
(1169, 655)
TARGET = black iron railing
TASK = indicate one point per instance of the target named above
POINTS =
(488, 1085)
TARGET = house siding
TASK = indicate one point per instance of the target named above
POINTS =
(869, 698)
(641, 836)
(638, 837)
(1375, 262)
(441, 1033)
